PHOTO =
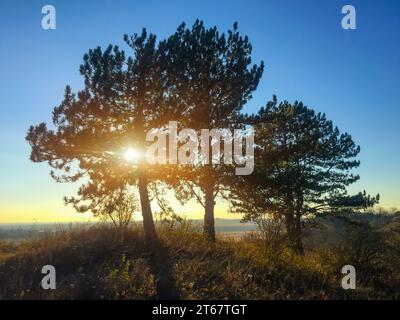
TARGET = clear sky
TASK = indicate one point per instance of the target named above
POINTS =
(351, 75)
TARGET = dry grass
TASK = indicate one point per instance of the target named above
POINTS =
(101, 263)
(7, 249)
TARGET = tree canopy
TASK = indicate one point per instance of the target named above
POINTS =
(121, 100)
(201, 79)
(210, 79)
(303, 166)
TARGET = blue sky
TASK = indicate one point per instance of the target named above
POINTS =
(351, 75)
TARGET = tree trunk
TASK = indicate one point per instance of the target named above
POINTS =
(290, 227)
(209, 228)
(299, 206)
(148, 222)
(298, 244)
(293, 227)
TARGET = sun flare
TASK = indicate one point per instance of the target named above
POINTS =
(131, 155)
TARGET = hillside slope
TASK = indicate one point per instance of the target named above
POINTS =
(101, 263)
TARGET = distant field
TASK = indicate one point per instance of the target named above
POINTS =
(16, 232)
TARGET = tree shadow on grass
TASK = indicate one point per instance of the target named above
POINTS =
(161, 267)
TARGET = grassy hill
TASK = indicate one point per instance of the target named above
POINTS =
(99, 262)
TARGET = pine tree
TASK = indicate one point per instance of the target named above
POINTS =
(121, 100)
(210, 78)
(302, 168)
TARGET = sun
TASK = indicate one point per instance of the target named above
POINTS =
(130, 155)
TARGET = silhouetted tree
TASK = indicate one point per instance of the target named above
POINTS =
(122, 99)
(118, 207)
(210, 78)
(303, 165)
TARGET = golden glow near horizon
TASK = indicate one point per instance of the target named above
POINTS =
(36, 198)
(56, 212)
(59, 213)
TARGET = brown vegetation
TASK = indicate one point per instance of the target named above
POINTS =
(100, 262)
